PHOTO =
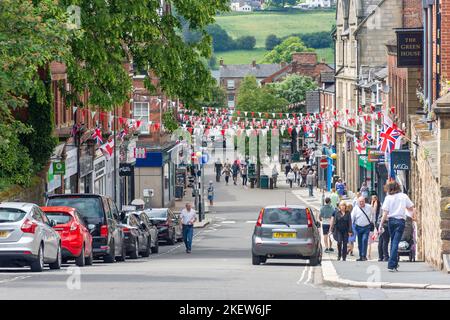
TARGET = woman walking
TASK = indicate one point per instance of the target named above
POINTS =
(383, 238)
(227, 173)
(352, 238)
(211, 193)
(291, 178)
(341, 227)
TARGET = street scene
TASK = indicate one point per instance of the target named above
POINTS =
(233, 150)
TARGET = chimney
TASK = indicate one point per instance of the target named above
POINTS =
(323, 60)
(221, 61)
(254, 63)
(305, 57)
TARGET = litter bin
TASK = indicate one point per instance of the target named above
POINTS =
(264, 182)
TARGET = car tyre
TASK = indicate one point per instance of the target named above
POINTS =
(110, 258)
(57, 264)
(155, 249)
(256, 260)
(80, 261)
(38, 264)
(148, 249)
(123, 256)
(316, 260)
(90, 259)
(135, 253)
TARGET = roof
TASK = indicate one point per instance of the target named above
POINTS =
(382, 74)
(243, 70)
(24, 206)
(330, 88)
(327, 76)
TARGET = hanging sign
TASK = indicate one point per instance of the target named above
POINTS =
(409, 48)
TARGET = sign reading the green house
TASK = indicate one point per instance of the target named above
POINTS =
(59, 168)
(409, 48)
(364, 162)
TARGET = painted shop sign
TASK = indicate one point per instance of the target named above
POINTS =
(409, 48)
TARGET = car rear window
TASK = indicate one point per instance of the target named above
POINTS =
(283, 216)
(59, 217)
(156, 214)
(89, 208)
(11, 215)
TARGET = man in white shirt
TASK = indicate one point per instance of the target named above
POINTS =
(362, 218)
(394, 209)
(188, 217)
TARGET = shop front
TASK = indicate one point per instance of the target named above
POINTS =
(400, 165)
(126, 171)
(86, 163)
(366, 172)
(71, 177)
(100, 174)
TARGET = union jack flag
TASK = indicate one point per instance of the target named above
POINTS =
(388, 139)
(367, 137)
(97, 135)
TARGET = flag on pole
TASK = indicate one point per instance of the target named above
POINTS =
(97, 135)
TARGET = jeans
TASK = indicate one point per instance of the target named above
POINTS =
(188, 233)
(227, 179)
(363, 240)
(311, 188)
(290, 183)
(244, 180)
(396, 228)
(342, 241)
(383, 245)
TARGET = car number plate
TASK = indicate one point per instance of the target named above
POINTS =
(284, 235)
(3, 234)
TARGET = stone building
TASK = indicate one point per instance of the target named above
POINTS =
(362, 29)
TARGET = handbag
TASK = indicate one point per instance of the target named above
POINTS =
(372, 226)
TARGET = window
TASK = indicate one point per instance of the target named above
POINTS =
(141, 112)
(230, 84)
(231, 97)
(379, 99)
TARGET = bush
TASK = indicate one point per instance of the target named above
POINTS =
(220, 38)
(246, 43)
(272, 41)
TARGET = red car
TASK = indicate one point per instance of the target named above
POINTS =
(76, 240)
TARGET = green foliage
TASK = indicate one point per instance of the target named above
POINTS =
(170, 122)
(272, 41)
(284, 51)
(216, 98)
(252, 97)
(293, 88)
(245, 43)
(220, 39)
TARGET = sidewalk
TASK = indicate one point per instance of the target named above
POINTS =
(374, 274)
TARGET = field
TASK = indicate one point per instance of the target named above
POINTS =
(261, 24)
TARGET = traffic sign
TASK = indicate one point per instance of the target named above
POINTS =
(324, 163)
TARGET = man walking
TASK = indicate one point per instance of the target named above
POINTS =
(326, 212)
(235, 171)
(394, 210)
(244, 174)
(227, 172)
(310, 181)
(188, 217)
(218, 169)
(362, 218)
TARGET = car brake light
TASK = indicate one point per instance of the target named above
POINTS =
(259, 221)
(104, 231)
(308, 215)
(126, 230)
(29, 226)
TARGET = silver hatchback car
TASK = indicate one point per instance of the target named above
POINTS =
(286, 232)
(27, 237)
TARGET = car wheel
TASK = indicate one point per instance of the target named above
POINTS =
(148, 249)
(110, 258)
(90, 259)
(80, 260)
(38, 264)
(57, 264)
(256, 260)
(135, 253)
(123, 256)
(155, 249)
(315, 260)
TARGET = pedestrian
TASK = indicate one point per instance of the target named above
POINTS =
(340, 188)
(275, 175)
(296, 172)
(334, 196)
(341, 228)
(291, 178)
(287, 168)
(363, 220)
(307, 155)
(235, 171)
(303, 173)
(310, 182)
(394, 210)
(364, 191)
(326, 212)
(188, 217)
(352, 238)
(218, 169)
(383, 238)
(227, 173)
(211, 193)
(244, 175)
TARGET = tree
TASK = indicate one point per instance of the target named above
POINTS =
(272, 41)
(284, 51)
(251, 97)
(216, 98)
(246, 43)
(220, 39)
(293, 88)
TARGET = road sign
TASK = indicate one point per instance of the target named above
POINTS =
(59, 168)
(324, 163)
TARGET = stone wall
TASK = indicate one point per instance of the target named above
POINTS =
(34, 194)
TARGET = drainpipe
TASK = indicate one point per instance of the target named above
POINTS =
(430, 64)
(425, 63)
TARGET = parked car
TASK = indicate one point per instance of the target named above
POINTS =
(102, 217)
(76, 239)
(27, 237)
(153, 230)
(137, 235)
(167, 224)
(286, 232)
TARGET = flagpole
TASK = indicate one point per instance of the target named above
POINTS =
(115, 161)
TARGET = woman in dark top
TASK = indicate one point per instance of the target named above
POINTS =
(383, 239)
(341, 227)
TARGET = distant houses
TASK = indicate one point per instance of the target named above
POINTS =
(246, 6)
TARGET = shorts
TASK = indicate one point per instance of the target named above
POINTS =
(325, 228)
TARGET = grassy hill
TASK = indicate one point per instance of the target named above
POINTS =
(261, 24)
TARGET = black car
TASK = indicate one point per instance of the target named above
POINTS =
(102, 217)
(169, 228)
(137, 235)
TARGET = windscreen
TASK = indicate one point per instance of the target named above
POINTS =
(11, 215)
(285, 216)
(89, 208)
(59, 217)
(156, 214)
